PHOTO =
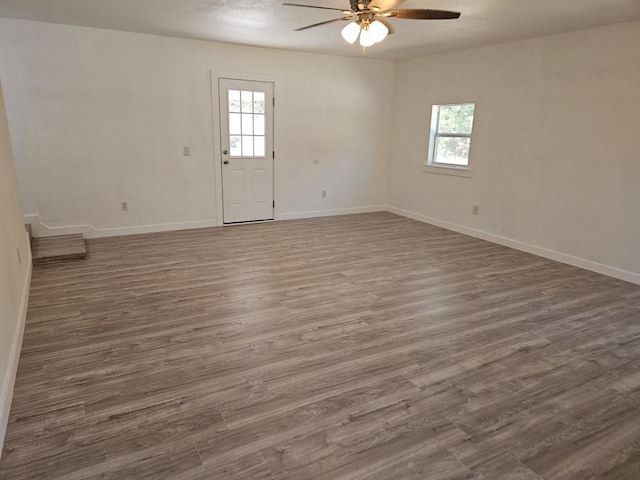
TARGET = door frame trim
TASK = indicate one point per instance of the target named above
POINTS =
(215, 75)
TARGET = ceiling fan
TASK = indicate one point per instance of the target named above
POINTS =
(368, 18)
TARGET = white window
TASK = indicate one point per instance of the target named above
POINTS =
(450, 138)
(246, 124)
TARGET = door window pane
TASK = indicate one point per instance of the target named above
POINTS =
(234, 100)
(234, 124)
(258, 102)
(247, 102)
(258, 124)
(247, 146)
(247, 124)
(235, 148)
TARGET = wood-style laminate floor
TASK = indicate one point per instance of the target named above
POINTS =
(59, 248)
(357, 347)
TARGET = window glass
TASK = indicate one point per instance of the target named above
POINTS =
(247, 123)
(450, 138)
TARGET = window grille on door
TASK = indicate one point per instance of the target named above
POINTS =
(247, 124)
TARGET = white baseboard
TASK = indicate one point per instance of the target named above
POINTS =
(6, 391)
(41, 229)
(525, 247)
(329, 213)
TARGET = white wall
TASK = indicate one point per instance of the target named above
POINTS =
(555, 151)
(14, 273)
(100, 116)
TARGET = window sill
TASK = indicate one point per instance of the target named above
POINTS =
(442, 170)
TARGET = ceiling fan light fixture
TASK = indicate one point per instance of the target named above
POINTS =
(378, 30)
(350, 32)
(367, 37)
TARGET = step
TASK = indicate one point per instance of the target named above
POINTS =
(59, 248)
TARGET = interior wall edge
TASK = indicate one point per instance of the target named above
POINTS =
(583, 263)
(6, 389)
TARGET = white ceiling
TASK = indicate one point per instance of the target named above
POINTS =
(270, 24)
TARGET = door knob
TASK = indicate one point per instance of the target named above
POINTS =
(226, 162)
(225, 151)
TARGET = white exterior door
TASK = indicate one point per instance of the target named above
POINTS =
(246, 123)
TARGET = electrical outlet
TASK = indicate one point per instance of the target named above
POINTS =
(186, 151)
(324, 194)
(476, 210)
(124, 206)
(19, 256)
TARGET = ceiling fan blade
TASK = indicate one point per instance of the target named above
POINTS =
(423, 14)
(385, 4)
(314, 6)
(324, 23)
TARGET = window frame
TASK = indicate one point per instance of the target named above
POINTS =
(441, 167)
